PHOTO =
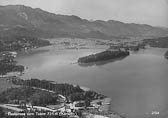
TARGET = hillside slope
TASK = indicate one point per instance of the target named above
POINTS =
(37, 22)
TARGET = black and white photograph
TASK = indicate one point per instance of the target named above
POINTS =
(83, 58)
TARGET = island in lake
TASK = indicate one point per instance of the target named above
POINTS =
(42, 98)
(134, 89)
(105, 55)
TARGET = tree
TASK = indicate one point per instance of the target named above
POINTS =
(2, 113)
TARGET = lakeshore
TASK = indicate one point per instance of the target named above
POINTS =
(54, 65)
(60, 59)
(103, 108)
(99, 106)
(105, 77)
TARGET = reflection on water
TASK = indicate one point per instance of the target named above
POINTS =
(137, 84)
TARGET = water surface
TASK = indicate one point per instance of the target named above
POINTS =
(137, 84)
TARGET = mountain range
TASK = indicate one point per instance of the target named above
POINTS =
(23, 20)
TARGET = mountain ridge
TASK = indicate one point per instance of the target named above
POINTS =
(56, 25)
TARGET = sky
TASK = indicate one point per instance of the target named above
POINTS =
(152, 12)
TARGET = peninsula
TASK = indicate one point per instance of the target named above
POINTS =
(44, 98)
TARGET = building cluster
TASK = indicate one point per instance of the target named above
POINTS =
(7, 55)
(71, 109)
(132, 46)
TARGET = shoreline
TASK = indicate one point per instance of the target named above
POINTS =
(106, 102)
(103, 109)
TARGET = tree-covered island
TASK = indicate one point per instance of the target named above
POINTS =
(105, 55)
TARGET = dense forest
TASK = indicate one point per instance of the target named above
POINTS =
(22, 95)
(58, 88)
(71, 92)
(2, 113)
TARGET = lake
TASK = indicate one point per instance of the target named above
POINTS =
(137, 84)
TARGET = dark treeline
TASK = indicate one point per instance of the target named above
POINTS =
(21, 95)
(59, 88)
(71, 92)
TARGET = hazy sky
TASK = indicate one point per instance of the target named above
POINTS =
(153, 12)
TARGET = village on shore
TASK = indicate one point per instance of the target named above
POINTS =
(88, 105)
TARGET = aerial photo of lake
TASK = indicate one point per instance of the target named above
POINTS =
(136, 84)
